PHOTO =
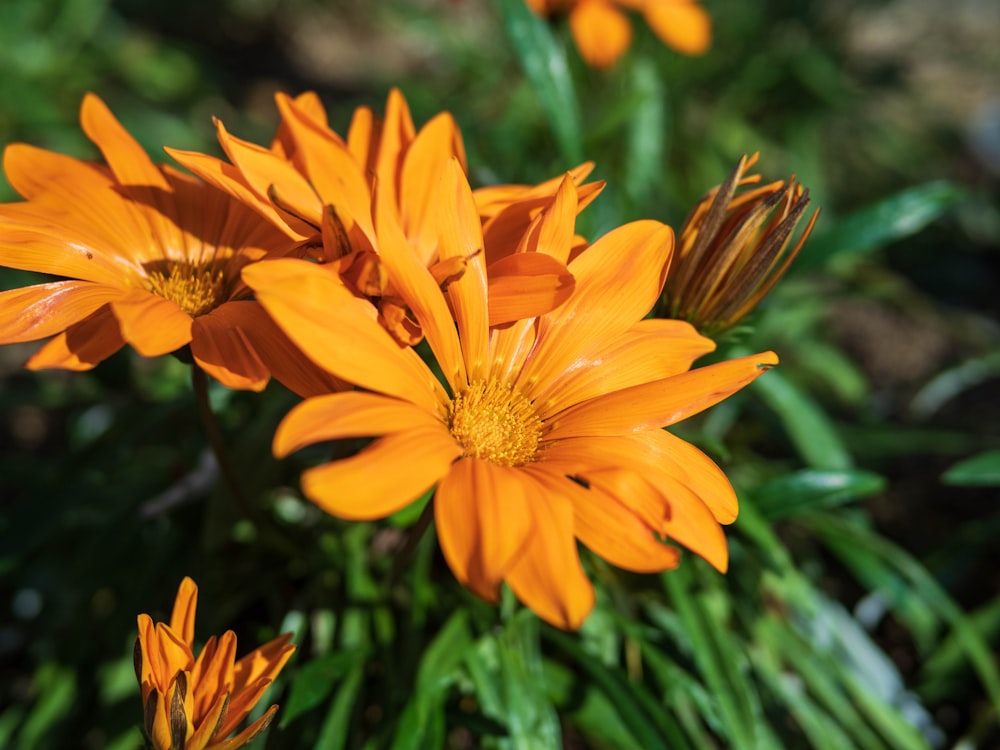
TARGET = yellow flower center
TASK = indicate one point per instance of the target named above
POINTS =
(195, 289)
(494, 422)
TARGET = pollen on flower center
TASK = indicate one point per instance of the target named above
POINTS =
(195, 289)
(494, 422)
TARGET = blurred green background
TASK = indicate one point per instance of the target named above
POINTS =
(862, 608)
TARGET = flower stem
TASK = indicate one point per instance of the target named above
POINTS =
(409, 545)
(199, 382)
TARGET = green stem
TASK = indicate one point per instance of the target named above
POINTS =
(413, 537)
(199, 382)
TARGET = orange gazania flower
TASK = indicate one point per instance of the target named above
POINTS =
(602, 32)
(196, 703)
(734, 246)
(313, 182)
(150, 257)
(548, 430)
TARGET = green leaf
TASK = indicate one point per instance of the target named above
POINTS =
(721, 659)
(337, 725)
(316, 680)
(645, 719)
(983, 469)
(810, 430)
(850, 539)
(530, 717)
(644, 139)
(890, 219)
(811, 489)
(422, 723)
(952, 382)
(545, 65)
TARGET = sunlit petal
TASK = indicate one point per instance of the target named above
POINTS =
(484, 519)
(385, 477)
(343, 415)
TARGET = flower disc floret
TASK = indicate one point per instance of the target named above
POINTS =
(495, 422)
(196, 290)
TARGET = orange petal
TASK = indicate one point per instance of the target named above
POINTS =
(209, 721)
(615, 531)
(221, 347)
(484, 519)
(691, 468)
(526, 285)
(602, 33)
(212, 674)
(396, 135)
(331, 168)
(611, 465)
(618, 279)
(83, 345)
(493, 199)
(263, 662)
(423, 166)
(35, 312)
(173, 653)
(282, 358)
(681, 24)
(659, 403)
(692, 524)
(415, 284)
(262, 169)
(339, 332)
(228, 178)
(152, 325)
(548, 576)
(185, 607)
(343, 415)
(127, 159)
(461, 237)
(34, 172)
(362, 138)
(72, 241)
(385, 477)
(652, 349)
(555, 232)
(249, 734)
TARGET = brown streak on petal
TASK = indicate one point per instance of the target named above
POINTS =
(178, 719)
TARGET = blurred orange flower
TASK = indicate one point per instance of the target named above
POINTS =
(150, 257)
(547, 430)
(602, 32)
(196, 703)
(734, 246)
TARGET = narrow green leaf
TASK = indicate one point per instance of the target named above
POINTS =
(641, 713)
(812, 489)
(422, 723)
(316, 680)
(336, 727)
(545, 65)
(983, 469)
(852, 537)
(644, 139)
(720, 659)
(890, 219)
(948, 384)
(531, 719)
(810, 430)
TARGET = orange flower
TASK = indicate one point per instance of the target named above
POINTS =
(734, 247)
(602, 32)
(548, 430)
(150, 257)
(317, 185)
(196, 703)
